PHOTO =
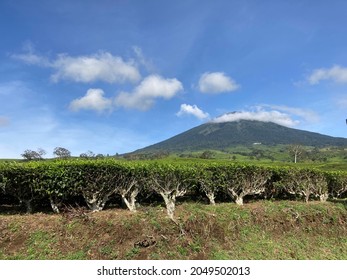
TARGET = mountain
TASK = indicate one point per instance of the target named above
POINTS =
(219, 136)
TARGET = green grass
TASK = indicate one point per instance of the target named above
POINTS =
(257, 230)
(335, 158)
(39, 245)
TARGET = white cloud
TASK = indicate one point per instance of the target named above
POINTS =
(30, 56)
(336, 74)
(93, 100)
(280, 114)
(305, 114)
(98, 67)
(102, 66)
(216, 82)
(144, 95)
(192, 110)
(260, 115)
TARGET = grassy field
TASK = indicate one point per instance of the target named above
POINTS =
(328, 158)
(257, 230)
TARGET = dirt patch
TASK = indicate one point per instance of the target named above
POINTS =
(260, 230)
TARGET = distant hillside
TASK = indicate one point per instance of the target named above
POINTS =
(219, 136)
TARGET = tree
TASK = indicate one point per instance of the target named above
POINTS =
(58, 182)
(337, 183)
(207, 155)
(170, 181)
(305, 183)
(41, 152)
(209, 178)
(97, 184)
(22, 182)
(62, 152)
(295, 151)
(129, 183)
(245, 180)
(33, 155)
(83, 155)
(88, 154)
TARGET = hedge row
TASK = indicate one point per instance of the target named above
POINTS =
(99, 180)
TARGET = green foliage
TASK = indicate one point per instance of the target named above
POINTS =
(210, 179)
(304, 183)
(22, 181)
(207, 154)
(97, 184)
(2, 180)
(170, 181)
(98, 180)
(242, 180)
(337, 184)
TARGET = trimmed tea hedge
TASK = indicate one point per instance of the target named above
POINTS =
(99, 180)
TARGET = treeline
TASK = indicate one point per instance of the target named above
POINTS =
(64, 182)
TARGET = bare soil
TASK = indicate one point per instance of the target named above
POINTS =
(257, 230)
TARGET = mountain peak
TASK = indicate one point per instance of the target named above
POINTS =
(222, 135)
(263, 116)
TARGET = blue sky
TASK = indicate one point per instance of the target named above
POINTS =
(115, 76)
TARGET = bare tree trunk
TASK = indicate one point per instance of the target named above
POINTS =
(55, 205)
(239, 200)
(130, 200)
(307, 197)
(323, 197)
(170, 201)
(296, 151)
(96, 204)
(211, 197)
